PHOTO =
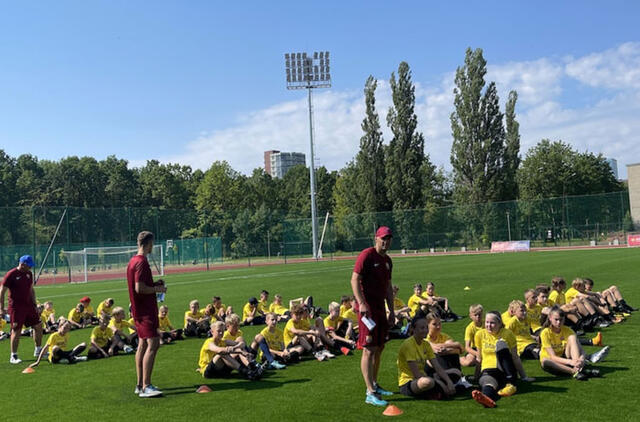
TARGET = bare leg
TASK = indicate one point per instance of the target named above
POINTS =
(142, 350)
(367, 367)
(15, 339)
(376, 363)
(37, 334)
(149, 359)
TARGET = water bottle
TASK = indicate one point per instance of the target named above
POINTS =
(160, 296)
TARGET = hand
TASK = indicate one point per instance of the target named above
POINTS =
(364, 309)
(160, 288)
(449, 389)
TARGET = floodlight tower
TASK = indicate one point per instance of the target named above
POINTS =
(306, 72)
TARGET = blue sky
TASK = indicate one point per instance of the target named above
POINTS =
(198, 81)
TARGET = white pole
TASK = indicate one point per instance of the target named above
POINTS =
(86, 280)
(312, 171)
(509, 226)
(324, 228)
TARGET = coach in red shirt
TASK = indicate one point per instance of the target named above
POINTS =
(22, 305)
(371, 285)
(144, 309)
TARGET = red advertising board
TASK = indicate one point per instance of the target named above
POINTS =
(633, 240)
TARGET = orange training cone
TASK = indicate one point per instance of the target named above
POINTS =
(28, 370)
(203, 389)
(392, 410)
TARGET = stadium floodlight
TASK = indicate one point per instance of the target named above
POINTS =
(309, 72)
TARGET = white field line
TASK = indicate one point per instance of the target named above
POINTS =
(207, 280)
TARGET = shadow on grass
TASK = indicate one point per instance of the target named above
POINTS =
(610, 369)
(245, 385)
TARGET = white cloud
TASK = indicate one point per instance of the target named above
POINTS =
(608, 125)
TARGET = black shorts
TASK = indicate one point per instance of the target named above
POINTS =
(530, 352)
(405, 390)
(497, 375)
(449, 361)
(212, 371)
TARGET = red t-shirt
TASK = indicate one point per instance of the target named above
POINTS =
(139, 271)
(19, 284)
(375, 270)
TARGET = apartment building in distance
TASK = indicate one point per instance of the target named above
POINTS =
(278, 163)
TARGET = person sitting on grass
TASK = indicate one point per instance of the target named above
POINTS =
(447, 351)
(222, 311)
(339, 329)
(232, 332)
(297, 332)
(263, 303)
(586, 308)
(120, 328)
(270, 343)
(88, 315)
(534, 311)
(476, 314)
(278, 308)
(250, 313)
(196, 323)
(600, 304)
(402, 311)
(48, 318)
(103, 343)
(105, 307)
(527, 344)
(499, 360)
(165, 328)
(414, 356)
(560, 351)
(218, 357)
(75, 317)
(612, 296)
(418, 305)
(345, 304)
(3, 325)
(439, 304)
(56, 348)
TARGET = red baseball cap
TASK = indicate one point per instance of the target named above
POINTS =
(383, 231)
(86, 299)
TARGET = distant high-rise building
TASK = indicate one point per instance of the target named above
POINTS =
(613, 163)
(277, 163)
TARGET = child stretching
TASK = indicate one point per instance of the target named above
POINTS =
(447, 351)
(612, 296)
(277, 308)
(561, 352)
(165, 328)
(413, 356)
(498, 355)
(218, 356)
(56, 345)
(196, 323)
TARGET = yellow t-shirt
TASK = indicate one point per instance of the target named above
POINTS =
(88, 311)
(470, 333)
(398, 303)
(3, 323)
(557, 297)
(506, 317)
(333, 323)
(411, 351)
(263, 306)
(195, 315)
(439, 339)
(206, 354)
(132, 326)
(275, 339)
(350, 314)
(74, 315)
(522, 331)
(303, 324)
(426, 295)
(570, 295)
(121, 326)
(56, 339)
(246, 311)
(557, 341)
(533, 315)
(222, 306)
(486, 344)
(277, 309)
(104, 309)
(228, 336)
(414, 304)
(164, 323)
(344, 309)
(44, 316)
(101, 337)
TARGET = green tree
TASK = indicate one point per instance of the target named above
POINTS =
(512, 149)
(121, 189)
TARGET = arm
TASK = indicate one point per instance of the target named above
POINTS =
(469, 349)
(356, 287)
(100, 349)
(448, 387)
(518, 363)
(221, 350)
(42, 352)
(389, 299)
(415, 369)
(3, 291)
(143, 289)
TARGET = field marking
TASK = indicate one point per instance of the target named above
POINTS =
(236, 277)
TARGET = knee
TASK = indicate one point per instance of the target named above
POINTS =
(258, 338)
(425, 383)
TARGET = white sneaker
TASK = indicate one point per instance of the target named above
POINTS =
(128, 349)
(599, 355)
(463, 382)
(80, 358)
(15, 359)
(36, 352)
(320, 356)
(63, 360)
(150, 391)
(138, 390)
(328, 354)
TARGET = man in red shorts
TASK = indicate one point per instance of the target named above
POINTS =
(144, 309)
(371, 285)
(22, 305)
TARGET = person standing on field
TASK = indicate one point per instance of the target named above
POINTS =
(144, 309)
(371, 285)
(22, 305)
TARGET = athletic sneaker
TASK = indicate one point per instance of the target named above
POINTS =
(599, 355)
(63, 360)
(592, 372)
(508, 390)
(80, 358)
(581, 376)
(276, 365)
(604, 323)
(375, 400)
(138, 390)
(36, 352)
(128, 349)
(150, 391)
(597, 340)
(464, 382)
(320, 356)
(328, 354)
(482, 399)
(15, 359)
(381, 391)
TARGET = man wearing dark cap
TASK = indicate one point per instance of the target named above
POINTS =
(22, 305)
(371, 285)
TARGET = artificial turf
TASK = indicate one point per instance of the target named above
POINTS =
(333, 390)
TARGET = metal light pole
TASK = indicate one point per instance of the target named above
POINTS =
(509, 225)
(306, 72)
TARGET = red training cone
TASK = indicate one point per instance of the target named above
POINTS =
(392, 410)
(203, 389)
(28, 370)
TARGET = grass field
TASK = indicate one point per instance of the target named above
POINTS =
(334, 390)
